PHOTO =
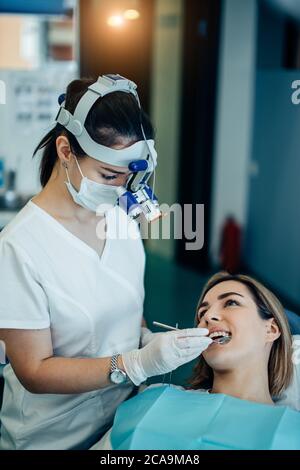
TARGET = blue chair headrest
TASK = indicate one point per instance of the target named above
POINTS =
(294, 321)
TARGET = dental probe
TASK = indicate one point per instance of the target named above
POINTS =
(168, 327)
(162, 325)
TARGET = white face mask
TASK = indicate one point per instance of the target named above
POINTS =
(92, 195)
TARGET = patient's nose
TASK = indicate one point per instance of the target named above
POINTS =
(211, 316)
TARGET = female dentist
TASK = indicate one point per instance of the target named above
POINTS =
(71, 290)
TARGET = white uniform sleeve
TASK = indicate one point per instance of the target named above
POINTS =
(104, 443)
(23, 302)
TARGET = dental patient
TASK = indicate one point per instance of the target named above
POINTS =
(231, 398)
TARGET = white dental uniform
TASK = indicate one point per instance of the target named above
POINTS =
(93, 305)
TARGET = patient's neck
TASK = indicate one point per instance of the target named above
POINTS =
(246, 383)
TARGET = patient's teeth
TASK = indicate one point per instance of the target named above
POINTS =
(218, 333)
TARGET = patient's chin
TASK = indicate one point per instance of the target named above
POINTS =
(233, 355)
(217, 357)
(221, 365)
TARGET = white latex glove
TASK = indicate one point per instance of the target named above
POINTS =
(165, 353)
(147, 336)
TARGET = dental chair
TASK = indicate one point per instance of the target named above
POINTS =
(294, 322)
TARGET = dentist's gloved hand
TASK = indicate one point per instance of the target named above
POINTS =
(165, 353)
(147, 336)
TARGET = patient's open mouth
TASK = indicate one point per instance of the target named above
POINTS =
(221, 337)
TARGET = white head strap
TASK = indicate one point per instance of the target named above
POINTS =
(74, 123)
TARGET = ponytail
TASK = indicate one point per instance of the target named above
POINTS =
(48, 143)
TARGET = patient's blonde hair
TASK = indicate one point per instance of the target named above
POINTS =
(280, 366)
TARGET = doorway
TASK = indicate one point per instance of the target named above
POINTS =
(201, 36)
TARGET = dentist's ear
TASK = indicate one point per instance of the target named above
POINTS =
(272, 330)
(63, 149)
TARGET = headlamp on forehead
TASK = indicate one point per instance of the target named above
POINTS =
(140, 158)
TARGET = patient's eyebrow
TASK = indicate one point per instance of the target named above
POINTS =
(220, 297)
(226, 294)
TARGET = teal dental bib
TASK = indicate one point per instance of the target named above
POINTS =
(168, 418)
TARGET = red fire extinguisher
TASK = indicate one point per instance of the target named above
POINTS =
(230, 249)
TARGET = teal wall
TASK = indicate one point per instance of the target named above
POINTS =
(272, 248)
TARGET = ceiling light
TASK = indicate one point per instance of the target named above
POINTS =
(131, 14)
(115, 21)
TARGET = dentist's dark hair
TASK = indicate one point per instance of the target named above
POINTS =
(280, 366)
(113, 117)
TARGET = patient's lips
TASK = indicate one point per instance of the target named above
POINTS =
(220, 336)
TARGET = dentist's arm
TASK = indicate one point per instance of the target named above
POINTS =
(31, 355)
